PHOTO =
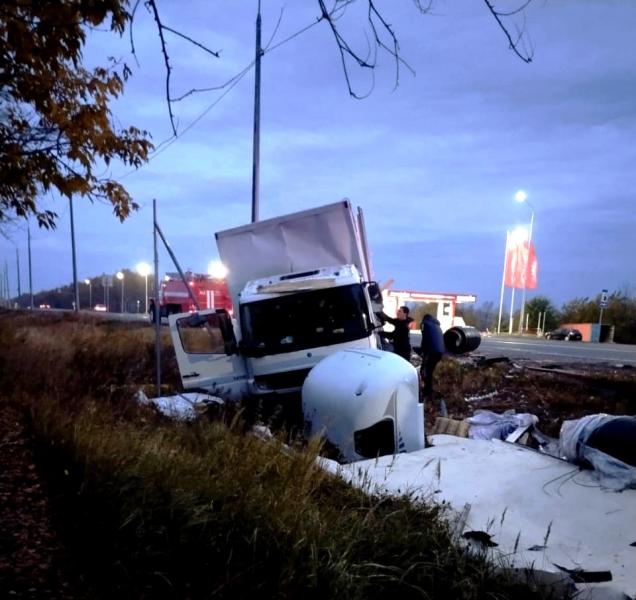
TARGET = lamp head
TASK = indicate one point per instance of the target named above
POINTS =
(144, 269)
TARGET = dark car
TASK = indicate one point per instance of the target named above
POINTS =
(564, 333)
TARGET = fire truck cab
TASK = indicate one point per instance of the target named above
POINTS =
(210, 292)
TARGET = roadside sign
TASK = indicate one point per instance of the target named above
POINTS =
(604, 299)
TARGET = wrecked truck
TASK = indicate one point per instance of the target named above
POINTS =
(301, 288)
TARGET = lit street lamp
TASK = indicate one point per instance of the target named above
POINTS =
(90, 293)
(217, 269)
(144, 269)
(521, 196)
(120, 276)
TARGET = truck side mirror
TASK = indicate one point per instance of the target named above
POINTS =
(375, 294)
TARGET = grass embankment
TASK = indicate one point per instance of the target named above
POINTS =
(149, 508)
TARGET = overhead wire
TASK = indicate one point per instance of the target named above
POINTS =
(230, 84)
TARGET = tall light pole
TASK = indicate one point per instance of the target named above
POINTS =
(144, 269)
(521, 196)
(90, 293)
(120, 276)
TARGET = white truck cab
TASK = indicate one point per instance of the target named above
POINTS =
(300, 287)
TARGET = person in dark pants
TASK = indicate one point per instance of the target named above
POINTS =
(432, 351)
(152, 310)
(400, 335)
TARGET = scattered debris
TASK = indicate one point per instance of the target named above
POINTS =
(488, 425)
(482, 361)
(182, 407)
(481, 537)
(479, 397)
(583, 576)
(455, 427)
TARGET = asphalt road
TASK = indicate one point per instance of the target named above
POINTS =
(516, 347)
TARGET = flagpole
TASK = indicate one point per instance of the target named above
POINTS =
(512, 303)
(503, 282)
(525, 268)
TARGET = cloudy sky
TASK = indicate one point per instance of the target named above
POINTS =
(434, 163)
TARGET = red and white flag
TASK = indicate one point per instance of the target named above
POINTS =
(522, 266)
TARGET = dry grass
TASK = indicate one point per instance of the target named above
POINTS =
(154, 509)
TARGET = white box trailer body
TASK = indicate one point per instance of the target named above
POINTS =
(299, 285)
(303, 241)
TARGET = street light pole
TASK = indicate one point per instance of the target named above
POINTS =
(90, 293)
(144, 269)
(120, 276)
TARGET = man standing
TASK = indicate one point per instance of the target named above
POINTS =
(400, 335)
(432, 351)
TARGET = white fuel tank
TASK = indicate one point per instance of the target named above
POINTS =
(365, 402)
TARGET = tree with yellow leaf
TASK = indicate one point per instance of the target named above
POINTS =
(56, 129)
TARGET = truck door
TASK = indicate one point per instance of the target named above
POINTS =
(206, 351)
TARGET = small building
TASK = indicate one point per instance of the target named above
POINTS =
(446, 304)
(593, 332)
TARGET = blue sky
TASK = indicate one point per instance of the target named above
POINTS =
(434, 163)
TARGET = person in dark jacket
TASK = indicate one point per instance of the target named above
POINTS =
(400, 335)
(432, 351)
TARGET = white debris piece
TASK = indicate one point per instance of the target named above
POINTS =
(487, 425)
(182, 407)
(539, 510)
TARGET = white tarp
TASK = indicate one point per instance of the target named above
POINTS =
(182, 407)
(320, 237)
(541, 511)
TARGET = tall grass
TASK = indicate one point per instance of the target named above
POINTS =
(155, 509)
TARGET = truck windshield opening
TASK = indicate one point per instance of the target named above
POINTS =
(306, 320)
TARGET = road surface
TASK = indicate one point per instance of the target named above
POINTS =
(517, 347)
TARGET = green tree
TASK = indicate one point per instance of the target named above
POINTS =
(540, 306)
(621, 313)
(56, 129)
(580, 310)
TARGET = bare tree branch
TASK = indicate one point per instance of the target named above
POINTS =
(215, 53)
(130, 31)
(153, 6)
(527, 55)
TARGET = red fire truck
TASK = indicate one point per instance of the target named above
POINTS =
(210, 292)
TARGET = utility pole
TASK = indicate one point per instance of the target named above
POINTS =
(157, 313)
(17, 260)
(30, 272)
(256, 150)
(6, 283)
(76, 306)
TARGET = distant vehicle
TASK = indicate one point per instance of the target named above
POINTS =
(44, 306)
(100, 308)
(564, 333)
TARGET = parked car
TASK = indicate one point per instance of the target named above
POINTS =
(564, 333)
(100, 308)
